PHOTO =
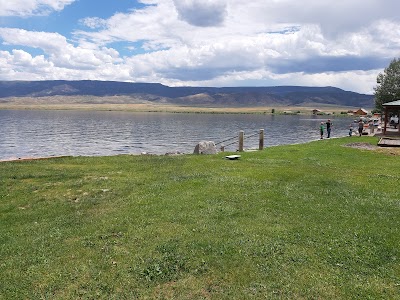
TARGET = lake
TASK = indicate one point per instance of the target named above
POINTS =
(31, 133)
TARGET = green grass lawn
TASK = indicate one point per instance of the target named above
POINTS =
(310, 221)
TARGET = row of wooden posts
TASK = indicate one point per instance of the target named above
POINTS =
(242, 138)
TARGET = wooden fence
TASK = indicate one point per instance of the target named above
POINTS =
(240, 139)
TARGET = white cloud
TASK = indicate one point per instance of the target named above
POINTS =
(219, 42)
(61, 60)
(25, 8)
(59, 51)
(20, 65)
(334, 17)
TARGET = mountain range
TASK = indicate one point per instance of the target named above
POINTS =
(191, 96)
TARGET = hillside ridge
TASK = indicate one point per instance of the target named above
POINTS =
(196, 96)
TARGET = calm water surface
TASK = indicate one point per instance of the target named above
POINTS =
(57, 133)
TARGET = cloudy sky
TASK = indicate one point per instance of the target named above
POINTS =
(342, 43)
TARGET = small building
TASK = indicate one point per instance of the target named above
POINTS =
(360, 112)
(376, 116)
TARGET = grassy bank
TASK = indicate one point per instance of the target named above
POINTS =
(311, 221)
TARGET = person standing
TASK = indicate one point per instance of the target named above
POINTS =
(328, 128)
(360, 127)
(321, 130)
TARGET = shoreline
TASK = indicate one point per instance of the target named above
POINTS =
(14, 159)
(28, 158)
(81, 104)
(391, 150)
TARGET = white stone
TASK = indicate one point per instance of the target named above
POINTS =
(205, 147)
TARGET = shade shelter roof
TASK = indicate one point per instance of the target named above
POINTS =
(392, 104)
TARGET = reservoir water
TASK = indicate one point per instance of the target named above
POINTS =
(31, 133)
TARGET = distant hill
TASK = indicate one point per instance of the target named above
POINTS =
(193, 96)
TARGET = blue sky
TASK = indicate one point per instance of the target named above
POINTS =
(342, 43)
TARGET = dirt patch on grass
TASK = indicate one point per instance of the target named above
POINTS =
(364, 146)
(367, 146)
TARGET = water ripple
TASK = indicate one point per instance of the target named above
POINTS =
(57, 133)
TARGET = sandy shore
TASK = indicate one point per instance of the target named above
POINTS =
(30, 158)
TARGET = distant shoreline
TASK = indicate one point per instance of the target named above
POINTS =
(128, 104)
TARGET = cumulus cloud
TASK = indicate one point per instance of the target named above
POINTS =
(20, 65)
(219, 42)
(58, 50)
(202, 13)
(23, 8)
(335, 18)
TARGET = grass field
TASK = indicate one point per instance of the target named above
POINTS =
(310, 221)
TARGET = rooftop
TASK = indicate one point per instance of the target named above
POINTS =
(393, 103)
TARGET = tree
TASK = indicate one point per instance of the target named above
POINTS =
(388, 88)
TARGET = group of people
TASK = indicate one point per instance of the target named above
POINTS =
(329, 128)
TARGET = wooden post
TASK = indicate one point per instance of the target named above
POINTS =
(398, 120)
(222, 148)
(241, 140)
(261, 140)
(386, 119)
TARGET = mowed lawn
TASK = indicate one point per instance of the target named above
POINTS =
(310, 221)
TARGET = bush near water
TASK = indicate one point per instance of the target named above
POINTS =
(309, 221)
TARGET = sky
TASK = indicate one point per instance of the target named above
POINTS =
(341, 43)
